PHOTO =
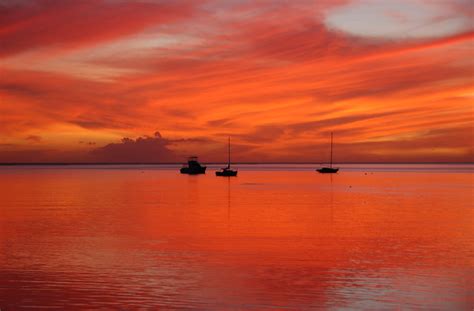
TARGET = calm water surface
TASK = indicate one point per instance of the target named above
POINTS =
(373, 237)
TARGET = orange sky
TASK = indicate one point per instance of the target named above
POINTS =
(94, 80)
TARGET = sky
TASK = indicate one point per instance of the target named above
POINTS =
(158, 80)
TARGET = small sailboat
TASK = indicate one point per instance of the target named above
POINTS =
(330, 169)
(194, 167)
(227, 171)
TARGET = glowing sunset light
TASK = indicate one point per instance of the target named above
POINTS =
(154, 81)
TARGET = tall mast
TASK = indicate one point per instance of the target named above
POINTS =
(330, 163)
(228, 162)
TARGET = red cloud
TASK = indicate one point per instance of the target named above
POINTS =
(269, 73)
(33, 138)
(71, 24)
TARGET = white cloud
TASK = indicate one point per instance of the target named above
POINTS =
(400, 19)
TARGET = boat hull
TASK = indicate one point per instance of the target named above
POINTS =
(193, 170)
(327, 170)
(226, 173)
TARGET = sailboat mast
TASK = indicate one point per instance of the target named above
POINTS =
(330, 163)
(228, 162)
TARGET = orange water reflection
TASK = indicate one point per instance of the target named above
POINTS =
(134, 238)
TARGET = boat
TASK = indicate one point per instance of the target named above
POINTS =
(330, 169)
(227, 171)
(193, 167)
(327, 170)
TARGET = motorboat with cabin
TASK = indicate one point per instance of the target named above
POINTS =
(193, 167)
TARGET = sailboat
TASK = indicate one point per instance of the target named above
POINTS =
(330, 169)
(227, 171)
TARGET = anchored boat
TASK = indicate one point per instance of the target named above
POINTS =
(227, 171)
(330, 169)
(193, 167)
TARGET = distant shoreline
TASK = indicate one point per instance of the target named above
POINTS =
(215, 163)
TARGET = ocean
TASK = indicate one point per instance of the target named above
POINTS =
(278, 236)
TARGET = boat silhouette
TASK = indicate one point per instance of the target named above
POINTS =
(193, 167)
(330, 169)
(227, 171)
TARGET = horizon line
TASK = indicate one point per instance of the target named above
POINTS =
(209, 163)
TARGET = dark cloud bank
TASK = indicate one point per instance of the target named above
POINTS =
(143, 149)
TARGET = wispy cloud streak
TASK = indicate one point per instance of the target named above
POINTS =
(278, 76)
